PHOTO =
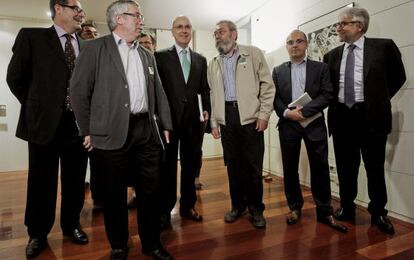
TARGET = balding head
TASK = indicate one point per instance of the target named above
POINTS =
(182, 30)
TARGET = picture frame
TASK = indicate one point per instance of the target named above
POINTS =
(322, 34)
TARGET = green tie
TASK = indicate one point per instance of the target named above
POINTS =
(185, 64)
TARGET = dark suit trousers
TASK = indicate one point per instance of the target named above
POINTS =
(188, 139)
(243, 149)
(42, 184)
(140, 156)
(351, 139)
(316, 142)
(97, 180)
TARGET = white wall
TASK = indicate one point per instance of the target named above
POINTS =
(389, 19)
(13, 152)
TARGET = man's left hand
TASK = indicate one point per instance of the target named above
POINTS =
(167, 136)
(261, 125)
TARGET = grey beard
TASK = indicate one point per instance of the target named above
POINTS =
(224, 47)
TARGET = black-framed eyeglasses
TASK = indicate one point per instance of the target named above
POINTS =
(136, 15)
(298, 41)
(343, 24)
(75, 8)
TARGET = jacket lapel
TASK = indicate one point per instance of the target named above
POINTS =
(309, 75)
(368, 54)
(114, 53)
(176, 60)
(145, 64)
(55, 45)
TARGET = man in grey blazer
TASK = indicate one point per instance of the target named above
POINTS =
(122, 111)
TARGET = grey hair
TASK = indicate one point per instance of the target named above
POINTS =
(52, 4)
(358, 14)
(117, 8)
(298, 31)
(232, 26)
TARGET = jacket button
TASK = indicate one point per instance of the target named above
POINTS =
(126, 105)
(126, 86)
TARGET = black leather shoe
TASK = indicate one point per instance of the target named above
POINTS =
(234, 214)
(330, 221)
(158, 253)
(77, 235)
(258, 220)
(191, 214)
(383, 223)
(343, 214)
(119, 254)
(35, 247)
(133, 204)
(165, 221)
(293, 217)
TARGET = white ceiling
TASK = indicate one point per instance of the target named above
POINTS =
(158, 13)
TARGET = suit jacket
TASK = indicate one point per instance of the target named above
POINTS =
(182, 96)
(318, 86)
(383, 75)
(38, 76)
(100, 95)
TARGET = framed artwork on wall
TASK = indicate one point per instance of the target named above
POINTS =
(322, 34)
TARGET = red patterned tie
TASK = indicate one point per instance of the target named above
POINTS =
(70, 61)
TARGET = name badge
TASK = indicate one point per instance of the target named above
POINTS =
(242, 61)
(151, 70)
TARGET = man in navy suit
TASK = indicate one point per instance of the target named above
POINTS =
(293, 79)
(38, 75)
(183, 73)
(366, 73)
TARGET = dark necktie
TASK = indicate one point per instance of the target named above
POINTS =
(70, 62)
(349, 90)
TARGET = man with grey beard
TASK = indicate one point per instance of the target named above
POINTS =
(242, 93)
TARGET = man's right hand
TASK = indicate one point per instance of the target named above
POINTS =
(215, 132)
(295, 114)
(87, 143)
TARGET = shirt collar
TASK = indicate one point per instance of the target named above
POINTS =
(300, 63)
(234, 51)
(358, 43)
(179, 48)
(61, 32)
(120, 41)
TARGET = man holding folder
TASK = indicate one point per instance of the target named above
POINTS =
(293, 79)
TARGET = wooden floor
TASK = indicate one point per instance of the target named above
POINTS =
(213, 238)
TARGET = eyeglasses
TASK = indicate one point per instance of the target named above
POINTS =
(292, 42)
(183, 27)
(75, 8)
(136, 15)
(343, 24)
(145, 42)
(219, 32)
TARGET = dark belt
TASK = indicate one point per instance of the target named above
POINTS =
(231, 103)
(356, 107)
(138, 116)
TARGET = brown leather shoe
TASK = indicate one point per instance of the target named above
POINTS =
(293, 217)
(330, 221)
(191, 214)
